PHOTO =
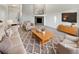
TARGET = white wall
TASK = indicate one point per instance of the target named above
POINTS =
(7, 13)
(13, 13)
(3, 12)
(78, 19)
(27, 13)
(54, 19)
(51, 19)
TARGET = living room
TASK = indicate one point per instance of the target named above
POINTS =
(30, 20)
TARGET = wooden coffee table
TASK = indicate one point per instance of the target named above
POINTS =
(43, 38)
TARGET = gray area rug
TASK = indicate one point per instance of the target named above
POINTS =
(33, 46)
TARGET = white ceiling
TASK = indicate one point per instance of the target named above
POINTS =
(54, 7)
(61, 7)
(51, 7)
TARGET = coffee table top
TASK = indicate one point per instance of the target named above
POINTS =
(42, 36)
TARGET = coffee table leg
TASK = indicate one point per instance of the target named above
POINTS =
(42, 45)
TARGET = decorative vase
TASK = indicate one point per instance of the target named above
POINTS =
(43, 32)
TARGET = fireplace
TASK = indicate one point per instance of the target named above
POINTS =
(39, 20)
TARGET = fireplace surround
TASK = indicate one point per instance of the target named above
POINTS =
(39, 20)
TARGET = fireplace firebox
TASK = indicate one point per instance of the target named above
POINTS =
(39, 20)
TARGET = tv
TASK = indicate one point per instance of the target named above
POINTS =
(69, 17)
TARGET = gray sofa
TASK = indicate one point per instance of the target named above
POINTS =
(10, 42)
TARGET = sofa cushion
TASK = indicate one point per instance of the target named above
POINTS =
(72, 38)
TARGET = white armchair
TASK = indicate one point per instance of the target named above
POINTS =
(27, 25)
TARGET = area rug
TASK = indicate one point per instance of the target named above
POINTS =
(33, 46)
